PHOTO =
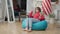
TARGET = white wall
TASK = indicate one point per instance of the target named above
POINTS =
(2, 9)
(56, 10)
(30, 6)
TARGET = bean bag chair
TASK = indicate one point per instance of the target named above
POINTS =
(41, 25)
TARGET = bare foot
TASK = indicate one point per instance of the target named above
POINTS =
(29, 30)
(25, 29)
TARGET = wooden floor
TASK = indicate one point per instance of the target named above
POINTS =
(15, 28)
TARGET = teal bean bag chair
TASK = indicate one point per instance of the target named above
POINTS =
(41, 25)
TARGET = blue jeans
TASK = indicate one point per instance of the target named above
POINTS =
(29, 22)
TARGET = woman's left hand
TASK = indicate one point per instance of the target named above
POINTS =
(41, 17)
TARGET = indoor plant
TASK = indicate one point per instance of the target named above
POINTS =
(52, 18)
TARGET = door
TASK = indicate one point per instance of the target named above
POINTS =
(19, 6)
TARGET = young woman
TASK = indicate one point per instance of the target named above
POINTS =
(34, 18)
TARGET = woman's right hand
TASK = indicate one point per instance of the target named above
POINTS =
(30, 14)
